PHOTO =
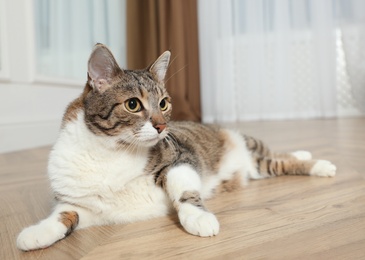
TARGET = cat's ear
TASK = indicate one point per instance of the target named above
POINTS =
(102, 68)
(159, 67)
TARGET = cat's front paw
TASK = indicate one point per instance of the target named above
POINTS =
(41, 235)
(323, 168)
(197, 221)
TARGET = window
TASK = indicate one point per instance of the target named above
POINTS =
(3, 57)
(44, 49)
(67, 30)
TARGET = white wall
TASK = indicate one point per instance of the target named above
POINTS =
(30, 110)
(30, 114)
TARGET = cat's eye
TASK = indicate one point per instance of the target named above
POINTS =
(133, 105)
(164, 104)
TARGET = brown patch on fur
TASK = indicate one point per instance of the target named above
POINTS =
(230, 185)
(227, 146)
(70, 219)
(75, 106)
(192, 197)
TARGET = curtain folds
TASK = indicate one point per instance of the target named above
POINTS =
(282, 59)
(157, 25)
(351, 18)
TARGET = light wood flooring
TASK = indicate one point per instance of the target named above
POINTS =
(279, 218)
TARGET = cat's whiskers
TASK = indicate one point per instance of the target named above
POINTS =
(171, 146)
(172, 61)
(170, 64)
(171, 142)
(173, 138)
(179, 132)
(175, 73)
(134, 143)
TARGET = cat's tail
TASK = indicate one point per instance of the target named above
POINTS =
(270, 164)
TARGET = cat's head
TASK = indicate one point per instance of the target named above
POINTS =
(131, 106)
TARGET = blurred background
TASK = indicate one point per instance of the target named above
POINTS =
(232, 60)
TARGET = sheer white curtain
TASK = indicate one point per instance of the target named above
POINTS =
(351, 16)
(67, 30)
(267, 59)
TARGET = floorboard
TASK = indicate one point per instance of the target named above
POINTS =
(279, 218)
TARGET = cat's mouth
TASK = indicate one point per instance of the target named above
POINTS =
(146, 136)
(149, 136)
(143, 139)
(152, 140)
(145, 142)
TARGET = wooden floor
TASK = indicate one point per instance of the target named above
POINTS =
(279, 218)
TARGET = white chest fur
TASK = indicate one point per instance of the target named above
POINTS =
(87, 170)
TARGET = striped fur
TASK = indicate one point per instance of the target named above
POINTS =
(120, 159)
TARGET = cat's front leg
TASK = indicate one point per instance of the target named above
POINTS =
(183, 185)
(64, 219)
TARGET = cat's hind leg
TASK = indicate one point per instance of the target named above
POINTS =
(64, 219)
(301, 162)
(259, 149)
(183, 185)
(269, 167)
(295, 163)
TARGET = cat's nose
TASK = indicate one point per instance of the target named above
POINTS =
(160, 127)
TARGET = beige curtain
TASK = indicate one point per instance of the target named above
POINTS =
(154, 26)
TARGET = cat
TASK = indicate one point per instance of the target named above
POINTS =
(119, 159)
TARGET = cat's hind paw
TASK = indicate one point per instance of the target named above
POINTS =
(197, 221)
(323, 168)
(41, 235)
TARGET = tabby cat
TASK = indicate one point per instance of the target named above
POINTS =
(118, 159)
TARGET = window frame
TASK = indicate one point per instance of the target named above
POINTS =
(4, 63)
(18, 47)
